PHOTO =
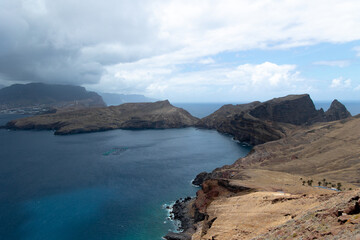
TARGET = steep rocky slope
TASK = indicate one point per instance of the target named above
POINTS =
(337, 111)
(269, 194)
(257, 123)
(126, 116)
(285, 202)
(325, 150)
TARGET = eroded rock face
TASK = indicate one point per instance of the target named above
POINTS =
(126, 116)
(294, 109)
(177, 236)
(200, 178)
(257, 123)
(336, 111)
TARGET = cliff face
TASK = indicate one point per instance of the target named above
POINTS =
(297, 147)
(294, 109)
(258, 123)
(276, 199)
(126, 116)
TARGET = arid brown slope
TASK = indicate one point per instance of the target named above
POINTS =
(324, 150)
(276, 215)
(126, 116)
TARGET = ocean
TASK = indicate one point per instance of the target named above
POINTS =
(104, 185)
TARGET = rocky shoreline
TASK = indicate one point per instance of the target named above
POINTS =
(180, 212)
(255, 123)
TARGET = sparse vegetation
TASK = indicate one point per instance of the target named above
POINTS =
(310, 182)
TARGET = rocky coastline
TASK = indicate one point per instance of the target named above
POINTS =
(257, 124)
(180, 212)
(292, 142)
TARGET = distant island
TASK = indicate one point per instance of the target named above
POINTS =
(37, 98)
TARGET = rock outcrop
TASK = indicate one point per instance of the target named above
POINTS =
(265, 194)
(256, 123)
(293, 182)
(336, 111)
(126, 116)
(294, 109)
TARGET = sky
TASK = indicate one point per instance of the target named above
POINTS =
(185, 51)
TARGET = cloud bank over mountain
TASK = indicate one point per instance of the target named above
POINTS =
(171, 48)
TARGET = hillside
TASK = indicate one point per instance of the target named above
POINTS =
(271, 193)
(126, 116)
(283, 201)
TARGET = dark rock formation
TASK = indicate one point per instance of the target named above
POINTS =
(177, 236)
(257, 123)
(126, 116)
(180, 212)
(224, 114)
(294, 109)
(336, 111)
(200, 178)
(246, 128)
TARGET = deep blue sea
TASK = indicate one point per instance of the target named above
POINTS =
(105, 185)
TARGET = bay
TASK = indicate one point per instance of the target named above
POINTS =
(105, 185)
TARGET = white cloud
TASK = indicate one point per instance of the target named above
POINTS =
(340, 83)
(207, 60)
(221, 83)
(339, 63)
(265, 74)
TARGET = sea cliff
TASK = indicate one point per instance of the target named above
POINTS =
(269, 194)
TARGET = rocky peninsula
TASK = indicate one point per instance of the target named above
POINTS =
(288, 186)
(158, 115)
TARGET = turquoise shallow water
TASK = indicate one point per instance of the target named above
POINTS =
(106, 185)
